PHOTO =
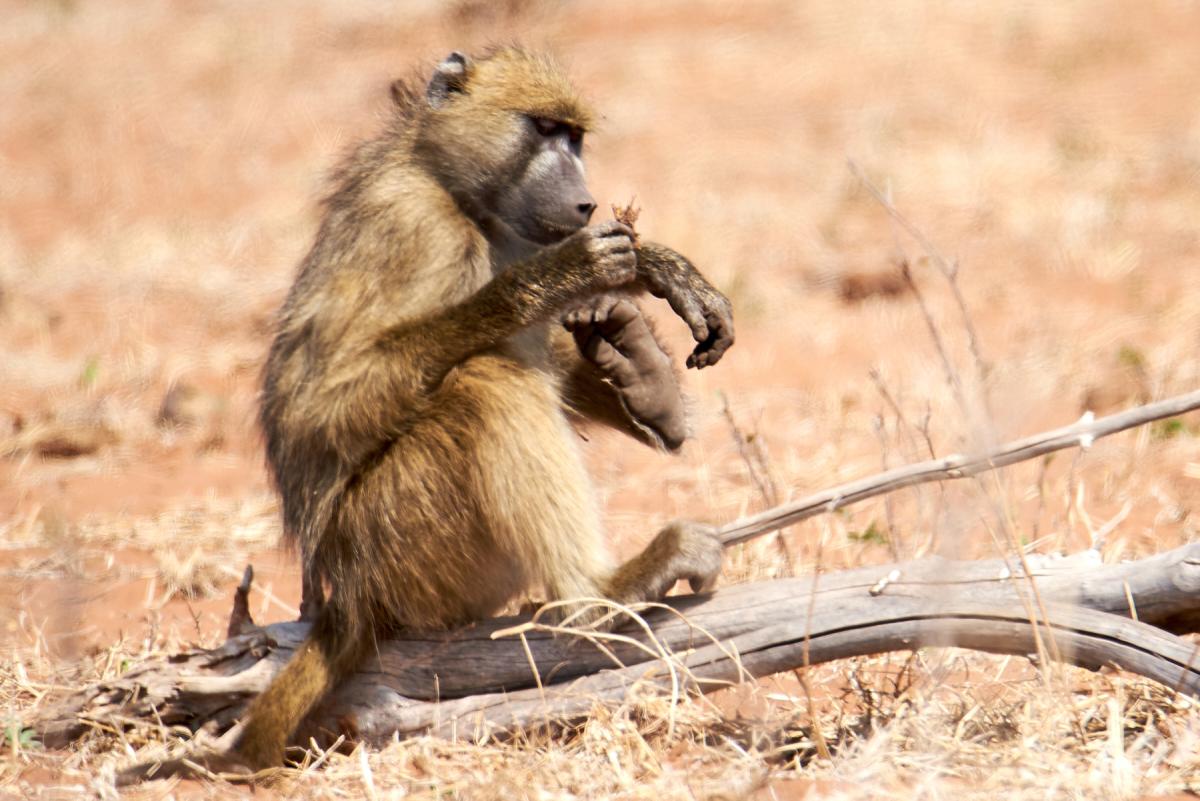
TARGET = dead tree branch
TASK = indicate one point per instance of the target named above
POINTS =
(1077, 435)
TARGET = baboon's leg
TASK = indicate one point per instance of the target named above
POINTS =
(483, 494)
(536, 489)
(480, 495)
(534, 484)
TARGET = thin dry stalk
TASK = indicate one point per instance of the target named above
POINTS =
(906, 433)
(948, 270)
(758, 466)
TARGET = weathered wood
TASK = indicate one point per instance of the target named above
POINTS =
(1079, 434)
(469, 682)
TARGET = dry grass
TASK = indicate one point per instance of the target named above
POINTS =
(932, 724)
(160, 162)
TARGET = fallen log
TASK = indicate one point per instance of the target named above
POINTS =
(512, 672)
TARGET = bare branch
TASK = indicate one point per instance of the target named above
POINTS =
(1079, 434)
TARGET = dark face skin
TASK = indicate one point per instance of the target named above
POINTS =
(520, 168)
(549, 200)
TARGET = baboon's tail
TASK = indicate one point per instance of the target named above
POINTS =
(333, 649)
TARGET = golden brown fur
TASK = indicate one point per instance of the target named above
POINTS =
(415, 397)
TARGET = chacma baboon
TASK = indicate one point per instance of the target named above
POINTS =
(417, 398)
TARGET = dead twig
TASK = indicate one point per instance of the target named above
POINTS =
(627, 215)
(240, 621)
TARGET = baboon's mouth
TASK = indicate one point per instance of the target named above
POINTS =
(551, 232)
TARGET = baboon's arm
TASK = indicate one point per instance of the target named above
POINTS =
(373, 385)
(594, 259)
(669, 275)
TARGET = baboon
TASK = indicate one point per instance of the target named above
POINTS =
(454, 313)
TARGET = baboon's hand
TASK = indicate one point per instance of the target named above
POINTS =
(607, 253)
(698, 555)
(612, 334)
(682, 550)
(668, 275)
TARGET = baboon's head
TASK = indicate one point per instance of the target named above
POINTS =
(504, 133)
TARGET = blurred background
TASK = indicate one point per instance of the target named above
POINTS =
(161, 164)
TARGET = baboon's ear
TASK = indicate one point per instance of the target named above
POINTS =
(449, 77)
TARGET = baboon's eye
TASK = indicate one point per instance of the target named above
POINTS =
(553, 128)
(548, 127)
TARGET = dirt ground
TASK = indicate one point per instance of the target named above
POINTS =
(160, 164)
